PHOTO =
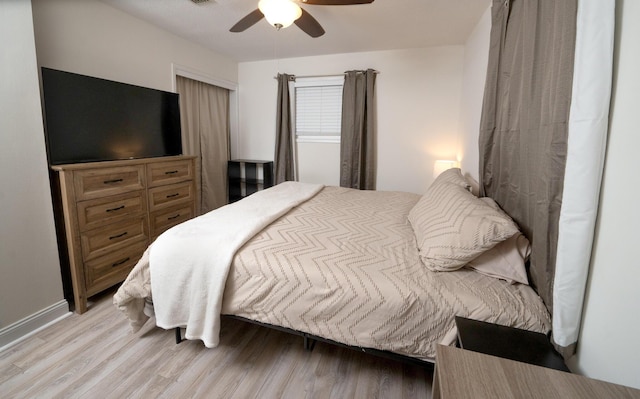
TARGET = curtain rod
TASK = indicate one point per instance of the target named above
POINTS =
(293, 77)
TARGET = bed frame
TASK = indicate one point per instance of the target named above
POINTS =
(309, 341)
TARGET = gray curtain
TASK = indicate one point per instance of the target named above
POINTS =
(204, 115)
(524, 123)
(283, 159)
(358, 137)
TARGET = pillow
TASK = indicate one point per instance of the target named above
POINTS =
(453, 176)
(452, 226)
(505, 261)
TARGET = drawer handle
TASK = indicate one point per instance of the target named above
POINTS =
(120, 262)
(171, 172)
(118, 236)
(173, 217)
(173, 195)
(112, 181)
(116, 208)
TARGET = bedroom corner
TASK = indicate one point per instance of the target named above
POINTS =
(31, 288)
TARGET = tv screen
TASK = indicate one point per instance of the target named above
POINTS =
(90, 119)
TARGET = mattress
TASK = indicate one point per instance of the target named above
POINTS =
(344, 266)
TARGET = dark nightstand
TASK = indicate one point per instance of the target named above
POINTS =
(509, 343)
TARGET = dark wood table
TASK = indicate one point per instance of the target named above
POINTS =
(509, 343)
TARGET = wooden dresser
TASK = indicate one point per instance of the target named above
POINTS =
(111, 211)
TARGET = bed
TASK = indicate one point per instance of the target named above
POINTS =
(369, 269)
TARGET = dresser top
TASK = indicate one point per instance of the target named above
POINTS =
(123, 162)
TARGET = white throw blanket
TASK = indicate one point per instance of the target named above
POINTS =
(190, 262)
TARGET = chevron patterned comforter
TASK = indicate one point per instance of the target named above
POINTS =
(344, 266)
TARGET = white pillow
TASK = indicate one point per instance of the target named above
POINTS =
(453, 176)
(452, 226)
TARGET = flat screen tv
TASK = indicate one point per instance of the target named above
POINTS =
(90, 119)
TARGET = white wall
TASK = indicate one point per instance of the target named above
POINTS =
(86, 37)
(29, 269)
(476, 55)
(310, 155)
(418, 103)
(92, 38)
(608, 347)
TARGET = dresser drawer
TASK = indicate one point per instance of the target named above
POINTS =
(97, 183)
(163, 197)
(162, 220)
(109, 208)
(110, 269)
(102, 211)
(113, 237)
(169, 172)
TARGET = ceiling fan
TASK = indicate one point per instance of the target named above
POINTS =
(282, 13)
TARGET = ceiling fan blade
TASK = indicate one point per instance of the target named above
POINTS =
(335, 2)
(248, 21)
(309, 25)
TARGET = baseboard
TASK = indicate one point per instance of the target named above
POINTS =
(30, 325)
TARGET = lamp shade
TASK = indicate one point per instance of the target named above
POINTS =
(280, 13)
(441, 165)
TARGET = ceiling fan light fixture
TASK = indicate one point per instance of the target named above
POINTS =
(280, 13)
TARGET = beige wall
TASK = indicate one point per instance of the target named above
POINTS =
(92, 38)
(608, 348)
(418, 97)
(29, 269)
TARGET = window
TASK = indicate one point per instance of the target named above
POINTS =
(318, 109)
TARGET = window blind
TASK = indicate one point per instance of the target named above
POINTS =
(318, 109)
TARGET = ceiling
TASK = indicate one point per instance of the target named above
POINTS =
(382, 25)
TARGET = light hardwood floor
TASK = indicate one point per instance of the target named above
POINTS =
(95, 355)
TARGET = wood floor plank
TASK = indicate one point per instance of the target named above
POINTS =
(186, 352)
(366, 385)
(97, 355)
(17, 352)
(256, 366)
(302, 380)
(59, 362)
(285, 369)
(325, 376)
(8, 371)
(231, 358)
(122, 364)
(284, 366)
